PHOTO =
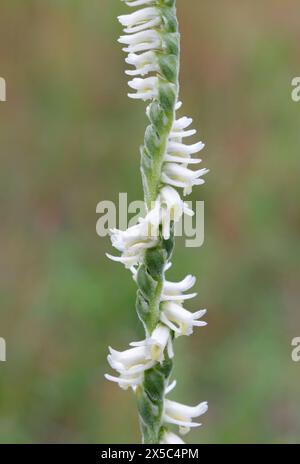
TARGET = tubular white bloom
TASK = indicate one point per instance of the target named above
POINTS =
(180, 176)
(179, 319)
(144, 63)
(139, 2)
(157, 343)
(185, 150)
(182, 415)
(181, 134)
(177, 158)
(179, 125)
(178, 105)
(131, 362)
(170, 438)
(173, 291)
(170, 387)
(159, 340)
(170, 198)
(146, 88)
(178, 152)
(141, 41)
(140, 20)
(126, 381)
(172, 209)
(133, 242)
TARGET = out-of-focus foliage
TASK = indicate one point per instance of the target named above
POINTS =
(70, 138)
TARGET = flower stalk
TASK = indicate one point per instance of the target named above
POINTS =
(152, 42)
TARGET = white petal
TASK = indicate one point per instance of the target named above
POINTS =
(178, 287)
(181, 159)
(184, 424)
(175, 147)
(123, 382)
(158, 341)
(139, 16)
(170, 387)
(170, 438)
(146, 88)
(148, 68)
(138, 2)
(168, 323)
(141, 41)
(199, 314)
(147, 25)
(180, 297)
(172, 407)
(180, 176)
(182, 134)
(170, 348)
(178, 105)
(182, 123)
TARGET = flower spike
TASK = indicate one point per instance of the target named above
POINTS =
(152, 41)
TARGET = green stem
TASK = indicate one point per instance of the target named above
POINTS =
(150, 279)
(154, 308)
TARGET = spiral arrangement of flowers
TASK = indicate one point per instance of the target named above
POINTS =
(152, 42)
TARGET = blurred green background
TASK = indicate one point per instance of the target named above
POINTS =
(70, 138)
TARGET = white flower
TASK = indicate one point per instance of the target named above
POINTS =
(181, 134)
(172, 209)
(180, 176)
(182, 415)
(179, 125)
(174, 290)
(180, 153)
(173, 314)
(145, 63)
(178, 131)
(159, 340)
(140, 20)
(180, 320)
(178, 105)
(170, 387)
(133, 242)
(131, 361)
(147, 88)
(125, 381)
(172, 200)
(141, 41)
(130, 364)
(170, 438)
(139, 2)
(178, 157)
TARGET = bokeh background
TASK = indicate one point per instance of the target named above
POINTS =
(69, 139)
